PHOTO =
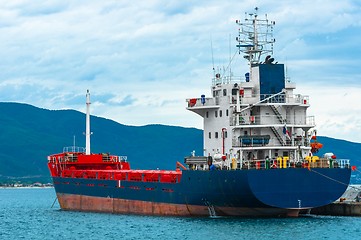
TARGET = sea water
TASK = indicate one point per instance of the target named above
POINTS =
(29, 214)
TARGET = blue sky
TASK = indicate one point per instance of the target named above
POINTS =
(142, 60)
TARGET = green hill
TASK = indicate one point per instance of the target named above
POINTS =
(29, 134)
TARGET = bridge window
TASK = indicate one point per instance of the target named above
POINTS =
(220, 113)
(207, 114)
(216, 113)
(216, 93)
(224, 92)
(210, 135)
(216, 135)
(225, 134)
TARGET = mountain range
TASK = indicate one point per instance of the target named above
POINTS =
(29, 134)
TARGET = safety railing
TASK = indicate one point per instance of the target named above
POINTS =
(286, 163)
(248, 98)
(201, 102)
(74, 149)
(268, 119)
(126, 175)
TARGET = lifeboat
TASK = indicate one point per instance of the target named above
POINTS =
(315, 146)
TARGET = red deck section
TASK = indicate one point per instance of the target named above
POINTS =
(104, 166)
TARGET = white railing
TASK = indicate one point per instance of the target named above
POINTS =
(227, 80)
(287, 163)
(310, 120)
(201, 102)
(74, 149)
(251, 99)
(282, 98)
(271, 120)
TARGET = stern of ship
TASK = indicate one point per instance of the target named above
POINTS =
(299, 188)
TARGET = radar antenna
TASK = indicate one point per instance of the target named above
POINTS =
(255, 37)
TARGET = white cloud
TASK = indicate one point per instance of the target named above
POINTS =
(141, 61)
(337, 109)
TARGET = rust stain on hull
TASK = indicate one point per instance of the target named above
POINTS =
(124, 206)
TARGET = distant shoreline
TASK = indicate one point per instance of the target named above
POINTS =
(25, 187)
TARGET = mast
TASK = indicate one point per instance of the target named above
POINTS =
(255, 37)
(87, 128)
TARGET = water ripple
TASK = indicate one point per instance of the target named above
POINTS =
(27, 214)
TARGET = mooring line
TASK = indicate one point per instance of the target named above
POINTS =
(54, 202)
(329, 177)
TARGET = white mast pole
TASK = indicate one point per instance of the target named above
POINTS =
(87, 130)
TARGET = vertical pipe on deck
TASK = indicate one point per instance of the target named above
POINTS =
(87, 124)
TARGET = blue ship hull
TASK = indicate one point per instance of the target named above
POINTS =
(226, 192)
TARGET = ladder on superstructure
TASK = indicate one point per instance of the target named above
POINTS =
(281, 120)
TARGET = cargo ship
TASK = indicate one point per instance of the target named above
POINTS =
(259, 154)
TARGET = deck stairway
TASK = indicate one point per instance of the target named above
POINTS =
(278, 114)
(278, 136)
(281, 120)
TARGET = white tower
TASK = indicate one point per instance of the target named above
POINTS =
(87, 130)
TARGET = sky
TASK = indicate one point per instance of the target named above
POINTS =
(142, 59)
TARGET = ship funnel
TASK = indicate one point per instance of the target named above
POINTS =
(87, 124)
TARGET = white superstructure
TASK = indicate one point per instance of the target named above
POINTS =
(258, 117)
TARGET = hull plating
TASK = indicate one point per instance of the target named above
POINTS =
(123, 206)
(238, 193)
